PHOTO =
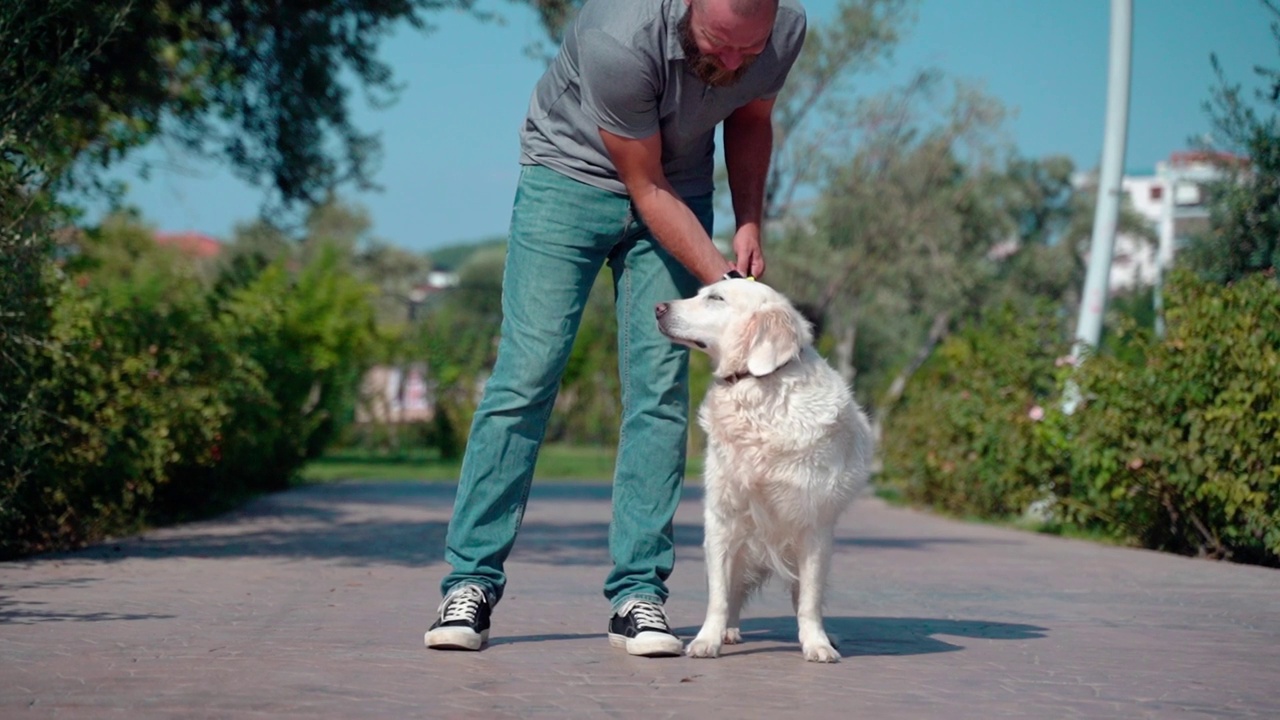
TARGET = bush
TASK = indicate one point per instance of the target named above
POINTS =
(159, 399)
(123, 397)
(1181, 452)
(1176, 445)
(25, 320)
(312, 337)
(964, 436)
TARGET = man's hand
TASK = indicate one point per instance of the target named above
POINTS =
(748, 250)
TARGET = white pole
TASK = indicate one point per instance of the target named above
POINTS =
(1094, 302)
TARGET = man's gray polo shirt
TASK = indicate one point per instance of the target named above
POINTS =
(621, 67)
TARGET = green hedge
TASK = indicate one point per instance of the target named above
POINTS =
(963, 438)
(1183, 449)
(1175, 445)
(160, 396)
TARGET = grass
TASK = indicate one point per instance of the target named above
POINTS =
(555, 462)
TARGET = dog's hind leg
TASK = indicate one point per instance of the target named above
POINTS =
(814, 561)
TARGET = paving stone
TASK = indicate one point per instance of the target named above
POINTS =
(312, 603)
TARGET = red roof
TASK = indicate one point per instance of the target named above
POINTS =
(190, 243)
(1210, 157)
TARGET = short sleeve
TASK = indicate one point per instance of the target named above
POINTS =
(619, 90)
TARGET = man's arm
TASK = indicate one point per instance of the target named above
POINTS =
(639, 165)
(748, 147)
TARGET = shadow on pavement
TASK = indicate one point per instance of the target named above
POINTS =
(29, 616)
(549, 637)
(29, 612)
(374, 523)
(857, 636)
(864, 636)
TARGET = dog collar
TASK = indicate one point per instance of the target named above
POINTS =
(731, 379)
(734, 378)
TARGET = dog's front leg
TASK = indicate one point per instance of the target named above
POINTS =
(815, 559)
(737, 581)
(719, 557)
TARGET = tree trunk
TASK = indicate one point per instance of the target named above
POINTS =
(844, 352)
(937, 333)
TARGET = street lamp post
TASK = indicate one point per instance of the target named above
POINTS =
(1093, 303)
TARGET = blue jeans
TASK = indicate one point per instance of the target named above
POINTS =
(562, 233)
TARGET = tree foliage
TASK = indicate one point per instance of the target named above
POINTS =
(266, 86)
(167, 390)
(1244, 232)
(345, 227)
(901, 229)
(812, 130)
(40, 72)
(1174, 447)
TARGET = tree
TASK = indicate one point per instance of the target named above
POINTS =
(902, 225)
(931, 224)
(262, 85)
(41, 72)
(1244, 223)
(812, 131)
(554, 15)
(457, 337)
(1051, 212)
(345, 229)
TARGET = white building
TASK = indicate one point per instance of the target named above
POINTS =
(1173, 201)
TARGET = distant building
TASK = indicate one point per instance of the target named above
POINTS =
(1173, 200)
(191, 243)
(396, 394)
(437, 281)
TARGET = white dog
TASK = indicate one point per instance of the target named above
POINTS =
(787, 451)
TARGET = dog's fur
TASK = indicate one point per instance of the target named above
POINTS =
(788, 449)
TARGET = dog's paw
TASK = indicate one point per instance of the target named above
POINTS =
(702, 647)
(821, 652)
(732, 636)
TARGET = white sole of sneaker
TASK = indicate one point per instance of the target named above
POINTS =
(648, 644)
(455, 638)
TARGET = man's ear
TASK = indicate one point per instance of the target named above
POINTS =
(774, 336)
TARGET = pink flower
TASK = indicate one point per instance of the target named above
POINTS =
(1036, 413)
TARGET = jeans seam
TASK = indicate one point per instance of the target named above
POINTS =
(624, 360)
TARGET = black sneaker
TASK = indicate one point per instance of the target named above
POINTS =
(641, 627)
(463, 623)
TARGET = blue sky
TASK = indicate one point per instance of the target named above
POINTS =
(450, 148)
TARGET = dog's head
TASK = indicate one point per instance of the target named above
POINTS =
(747, 327)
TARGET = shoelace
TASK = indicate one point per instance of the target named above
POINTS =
(648, 614)
(461, 605)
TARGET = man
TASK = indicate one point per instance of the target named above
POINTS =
(617, 153)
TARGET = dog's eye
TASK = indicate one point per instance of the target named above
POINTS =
(714, 298)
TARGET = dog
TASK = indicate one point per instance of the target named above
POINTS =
(788, 449)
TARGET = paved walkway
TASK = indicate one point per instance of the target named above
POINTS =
(312, 604)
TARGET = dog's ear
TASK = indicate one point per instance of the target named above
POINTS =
(774, 336)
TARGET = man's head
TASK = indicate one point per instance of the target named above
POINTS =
(721, 38)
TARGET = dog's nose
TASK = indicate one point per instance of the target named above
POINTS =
(661, 309)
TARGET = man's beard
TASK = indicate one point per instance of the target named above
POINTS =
(704, 66)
